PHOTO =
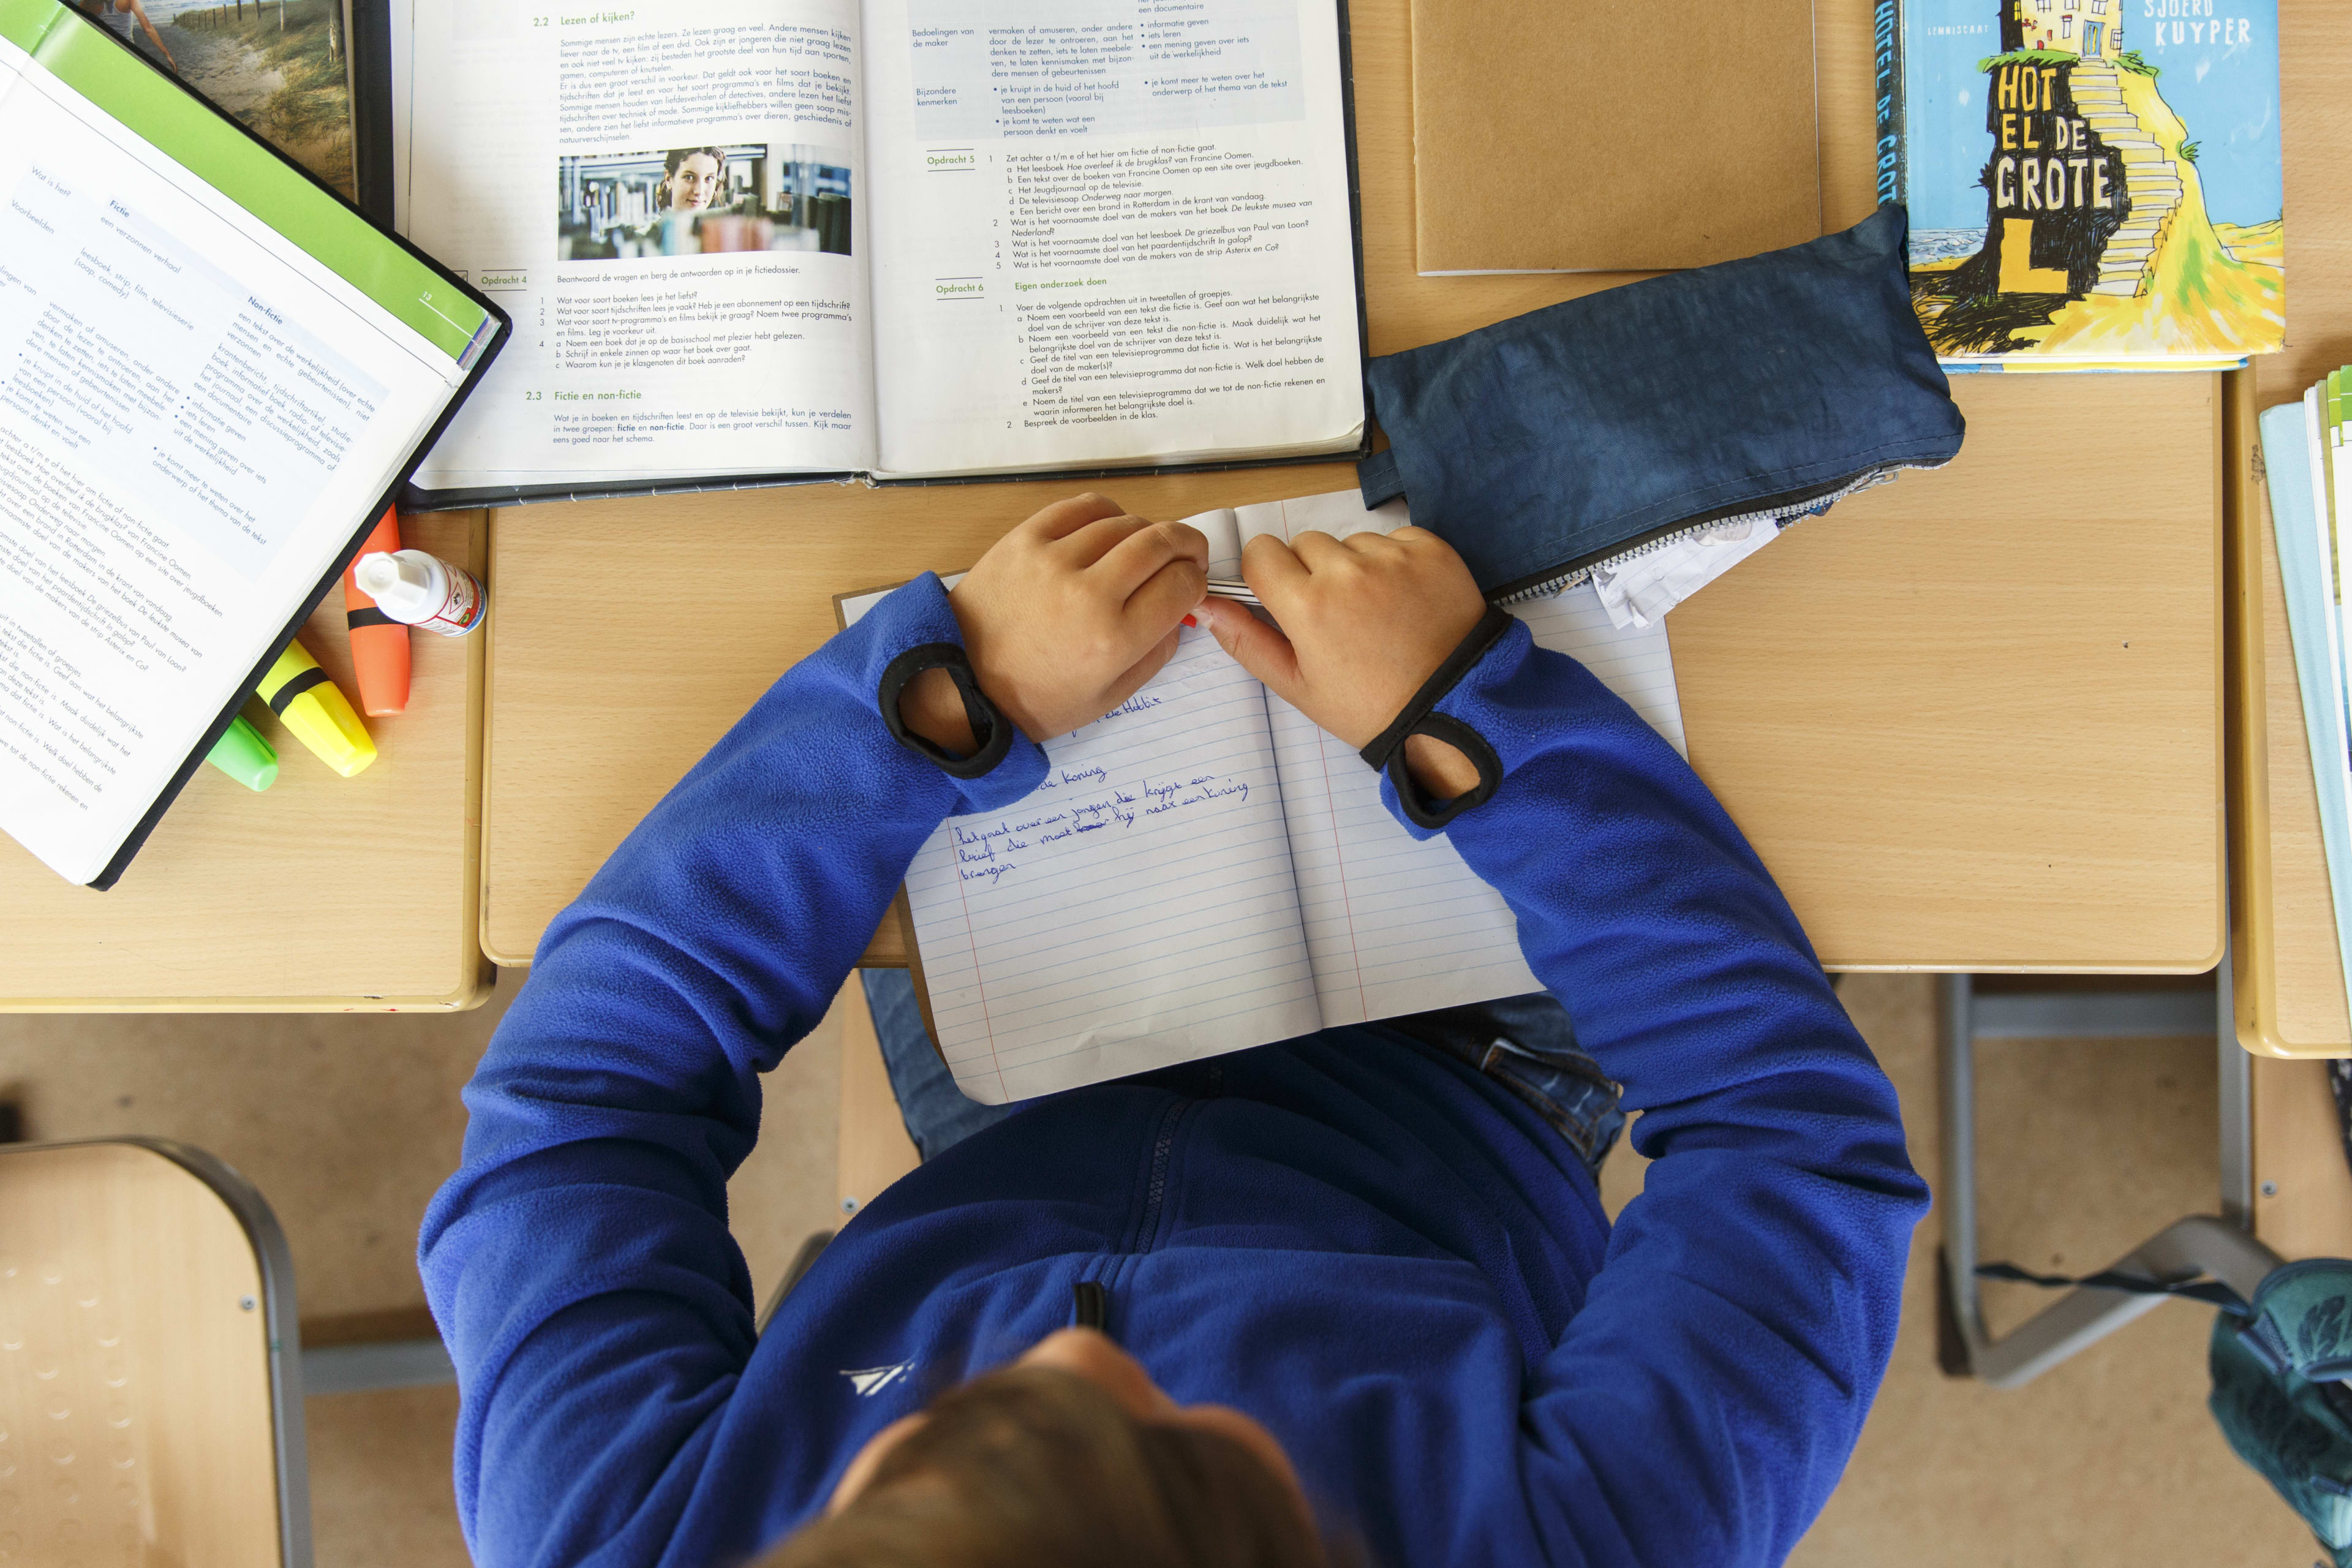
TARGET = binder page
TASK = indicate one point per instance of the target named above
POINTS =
(1110, 231)
(663, 199)
(199, 409)
(1135, 911)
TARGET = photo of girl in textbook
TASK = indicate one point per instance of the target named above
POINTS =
(700, 201)
(691, 176)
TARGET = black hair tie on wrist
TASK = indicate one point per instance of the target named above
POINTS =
(1424, 811)
(992, 731)
(1419, 717)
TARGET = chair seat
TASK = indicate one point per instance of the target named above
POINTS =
(137, 1419)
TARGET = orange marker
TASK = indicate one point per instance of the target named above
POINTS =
(379, 643)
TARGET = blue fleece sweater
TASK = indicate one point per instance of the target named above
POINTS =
(1372, 1249)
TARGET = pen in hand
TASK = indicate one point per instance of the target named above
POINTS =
(1230, 588)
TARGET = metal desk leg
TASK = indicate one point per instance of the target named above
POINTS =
(2201, 1243)
(2237, 1106)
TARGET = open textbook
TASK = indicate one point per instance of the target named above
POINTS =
(1204, 869)
(745, 240)
(215, 376)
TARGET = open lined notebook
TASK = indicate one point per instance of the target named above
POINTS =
(1203, 870)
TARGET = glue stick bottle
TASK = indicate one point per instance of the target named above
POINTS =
(423, 591)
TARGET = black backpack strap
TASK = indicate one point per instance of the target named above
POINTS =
(2211, 1291)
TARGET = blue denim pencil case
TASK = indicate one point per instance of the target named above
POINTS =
(1576, 435)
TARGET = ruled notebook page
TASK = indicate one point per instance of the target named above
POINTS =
(1206, 870)
(1136, 911)
(1396, 925)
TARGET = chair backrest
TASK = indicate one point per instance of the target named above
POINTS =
(149, 1382)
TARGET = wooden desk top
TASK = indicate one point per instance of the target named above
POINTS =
(324, 893)
(1971, 721)
(2285, 961)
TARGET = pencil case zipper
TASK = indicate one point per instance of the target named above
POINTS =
(1779, 510)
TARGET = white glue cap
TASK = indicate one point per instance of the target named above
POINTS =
(402, 583)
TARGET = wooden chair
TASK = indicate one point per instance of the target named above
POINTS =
(150, 1379)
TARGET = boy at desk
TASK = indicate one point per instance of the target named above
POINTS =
(1351, 1297)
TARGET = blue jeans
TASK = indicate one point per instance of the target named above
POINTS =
(1524, 1043)
(936, 1114)
(1527, 1045)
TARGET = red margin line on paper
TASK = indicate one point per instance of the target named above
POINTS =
(971, 942)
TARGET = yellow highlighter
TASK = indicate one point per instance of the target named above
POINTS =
(315, 709)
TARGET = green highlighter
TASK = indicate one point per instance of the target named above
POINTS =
(244, 755)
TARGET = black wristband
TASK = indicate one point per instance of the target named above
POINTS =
(1443, 680)
(992, 731)
(1424, 811)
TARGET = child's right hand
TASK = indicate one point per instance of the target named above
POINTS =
(1066, 618)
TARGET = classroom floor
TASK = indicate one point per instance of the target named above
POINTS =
(347, 1124)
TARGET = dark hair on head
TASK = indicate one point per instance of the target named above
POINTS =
(676, 160)
(1035, 1466)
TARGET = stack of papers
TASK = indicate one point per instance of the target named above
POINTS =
(2303, 459)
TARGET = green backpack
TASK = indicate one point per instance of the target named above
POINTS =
(2277, 1364)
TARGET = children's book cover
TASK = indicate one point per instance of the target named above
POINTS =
(2088, 179)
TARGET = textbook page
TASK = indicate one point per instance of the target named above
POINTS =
(1109, 232)
(1136, 911)
(669, 200)
(196, 414)
(1397, 925)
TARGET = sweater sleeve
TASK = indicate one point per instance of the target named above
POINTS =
(579, 1263)
(1702, 1402)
